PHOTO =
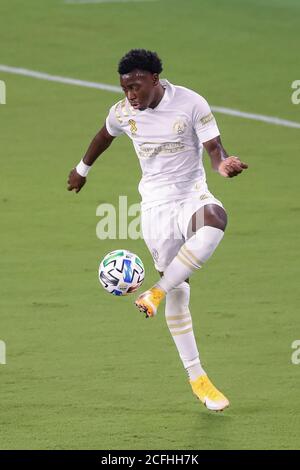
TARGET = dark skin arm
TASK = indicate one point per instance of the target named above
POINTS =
(220, 160)
(99, 144)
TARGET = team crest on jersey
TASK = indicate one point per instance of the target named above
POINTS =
(179, 127)
(133, 128)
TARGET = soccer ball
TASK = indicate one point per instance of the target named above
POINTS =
(121, 272)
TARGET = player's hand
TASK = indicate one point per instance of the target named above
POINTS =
(232, 166)
(75, 181)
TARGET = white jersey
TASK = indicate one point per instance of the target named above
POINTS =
(168, 141)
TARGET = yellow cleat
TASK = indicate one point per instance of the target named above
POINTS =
(149, 301)
(210, 396)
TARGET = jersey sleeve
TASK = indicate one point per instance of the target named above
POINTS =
(112, 122)
(204, 121)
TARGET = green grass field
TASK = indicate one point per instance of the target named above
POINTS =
(84, 370)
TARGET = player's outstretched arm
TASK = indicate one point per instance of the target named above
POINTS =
(227, 166)
(77, 176)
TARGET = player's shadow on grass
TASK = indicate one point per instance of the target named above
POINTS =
(211, 430)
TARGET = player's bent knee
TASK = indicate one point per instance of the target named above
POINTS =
(211, 214)
(215, 216)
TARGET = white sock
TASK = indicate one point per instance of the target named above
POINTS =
(179, 322)
(190, 257)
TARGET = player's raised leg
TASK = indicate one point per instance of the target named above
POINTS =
(210, 223)
(207, 227)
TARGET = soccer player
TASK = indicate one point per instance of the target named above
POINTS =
(182, 222)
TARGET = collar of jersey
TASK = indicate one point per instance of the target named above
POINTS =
(166, 97)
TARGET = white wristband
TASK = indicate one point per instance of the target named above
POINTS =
(83, 169)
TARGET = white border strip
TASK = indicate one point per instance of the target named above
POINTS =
(117, 89)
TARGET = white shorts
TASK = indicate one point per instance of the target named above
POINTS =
(165, 226)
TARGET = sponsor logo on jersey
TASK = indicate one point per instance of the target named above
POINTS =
(207, 118)
(151, 149)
